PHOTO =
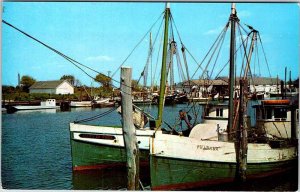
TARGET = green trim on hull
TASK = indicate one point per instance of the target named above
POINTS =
(174, 174)
(95, 156)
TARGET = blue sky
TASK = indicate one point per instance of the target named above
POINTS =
(101, 35)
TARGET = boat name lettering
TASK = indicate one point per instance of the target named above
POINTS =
(205, 147)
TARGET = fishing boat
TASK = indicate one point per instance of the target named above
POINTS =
(179, 162)
(98, 147)
(48, 104)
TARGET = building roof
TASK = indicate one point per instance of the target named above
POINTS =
(47, 84)
(202, 82)
(224, 81)
(257, 80)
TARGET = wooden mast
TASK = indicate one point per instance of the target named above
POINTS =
(163, 69)
(233, 19)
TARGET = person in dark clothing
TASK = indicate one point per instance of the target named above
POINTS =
(185, 124)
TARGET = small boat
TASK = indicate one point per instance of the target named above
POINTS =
(3, 110)
(140, 101)
(181, 98)
(48, 104)
(103, 102)
(81, 104)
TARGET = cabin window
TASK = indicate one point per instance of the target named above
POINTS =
(280, 113)
(219, 112)
(269, 113)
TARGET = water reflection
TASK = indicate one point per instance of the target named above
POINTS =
(110, 178)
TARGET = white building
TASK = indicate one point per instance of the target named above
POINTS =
(52, 87)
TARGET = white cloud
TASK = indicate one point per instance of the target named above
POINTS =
(244, 14)
(214, 31)
(99, 58)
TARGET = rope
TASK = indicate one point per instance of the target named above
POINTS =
(225, 28)
(96, 116)
(277, 129)
(74, 62)
(222, 41)
(264, 55)
(138, 44)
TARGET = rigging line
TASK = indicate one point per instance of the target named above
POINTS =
(211, 57)
(97, 116)
(199, 66)
(173, 21)
(152, 51)
(193, 59)
(149, 59)
(58, 52)
(285, 130)
(277, 129)
(250, 27)
(138, 44)
(258, 61)
(179, 66)
(248, 62)
(229, 60)
(156, 36)
(264, 55)
(222, 41)
(245, 50)
(54, 50)
(158, 53)
(243, 62)
(225, 28)
(243, 55)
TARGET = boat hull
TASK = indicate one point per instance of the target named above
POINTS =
(99, 147)
(90, 156)
(178, 162)
(179, 174)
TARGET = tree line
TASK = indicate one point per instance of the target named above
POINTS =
(21, 91)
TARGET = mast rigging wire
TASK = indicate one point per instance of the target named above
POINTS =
(138, 44)
(74, 62)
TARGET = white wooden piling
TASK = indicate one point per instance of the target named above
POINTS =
(129, 134)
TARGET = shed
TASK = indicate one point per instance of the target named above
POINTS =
(52, 87)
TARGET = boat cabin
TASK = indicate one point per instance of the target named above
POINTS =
(214, 122)
(49, 102)
(277, 118)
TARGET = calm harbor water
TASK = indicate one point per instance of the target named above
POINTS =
(36, 153)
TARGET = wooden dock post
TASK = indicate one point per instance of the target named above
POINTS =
(129, 134)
